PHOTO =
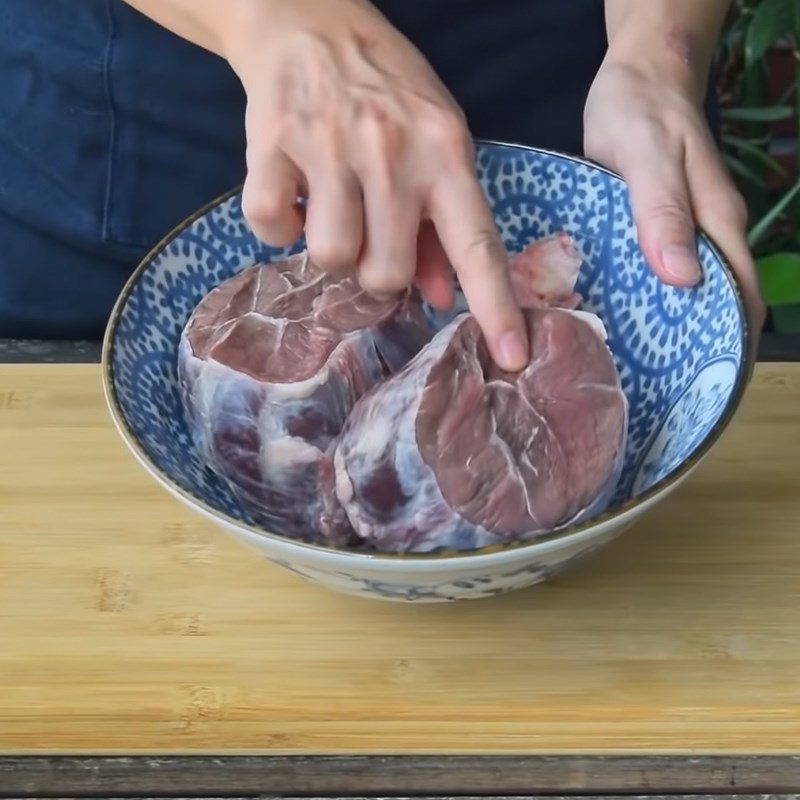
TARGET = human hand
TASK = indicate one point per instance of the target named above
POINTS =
(344, 110)
(645, 122)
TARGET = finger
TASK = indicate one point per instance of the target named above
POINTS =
(334, 218)
(721, 212)
(389, 258)
(269, 198)
(378, 152)
(434, 277)
(656, 178)
(467, 231)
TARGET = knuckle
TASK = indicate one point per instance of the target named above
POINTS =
(380, 130)
(333, 255)
(449, 133)
(263, 206)
(670, 210)
(372, 117)
(382, 282)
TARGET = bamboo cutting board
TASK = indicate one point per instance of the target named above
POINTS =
(128, 624)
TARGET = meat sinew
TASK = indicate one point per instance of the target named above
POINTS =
(454, 453)
(270, 365)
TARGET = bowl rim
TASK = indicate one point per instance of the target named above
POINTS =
(621, 511)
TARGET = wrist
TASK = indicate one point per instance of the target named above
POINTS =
(671, 57)
(246, 30)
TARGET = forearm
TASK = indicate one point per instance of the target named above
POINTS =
(676, 37)
(211, 24)
(240, 30)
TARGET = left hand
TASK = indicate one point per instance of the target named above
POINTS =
(648, 126)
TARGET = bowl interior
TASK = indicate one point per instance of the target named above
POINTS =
(680, 353)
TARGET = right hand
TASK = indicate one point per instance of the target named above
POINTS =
(344, 110)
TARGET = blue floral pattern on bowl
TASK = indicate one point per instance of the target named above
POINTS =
(680, 353)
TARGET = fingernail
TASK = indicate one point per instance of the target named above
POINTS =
(513, 351)
(681, 263)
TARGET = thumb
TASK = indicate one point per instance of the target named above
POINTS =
(663, 216)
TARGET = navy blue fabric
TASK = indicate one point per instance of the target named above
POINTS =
(113, 129)
(519, 68)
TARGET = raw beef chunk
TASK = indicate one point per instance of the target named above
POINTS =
(270, 364)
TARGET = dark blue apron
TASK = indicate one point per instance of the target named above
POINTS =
(113, 129)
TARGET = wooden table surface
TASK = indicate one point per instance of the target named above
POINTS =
(128, 625)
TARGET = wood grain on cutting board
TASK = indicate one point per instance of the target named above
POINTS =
(128, 624)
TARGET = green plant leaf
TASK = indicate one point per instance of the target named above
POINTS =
(753, 87)
(779, 276)
(753, 149)
(786, 319)
(772, 19)
(738, 167)
(757, 113)
(761, 227)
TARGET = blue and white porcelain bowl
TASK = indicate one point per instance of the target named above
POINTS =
(682, 356)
